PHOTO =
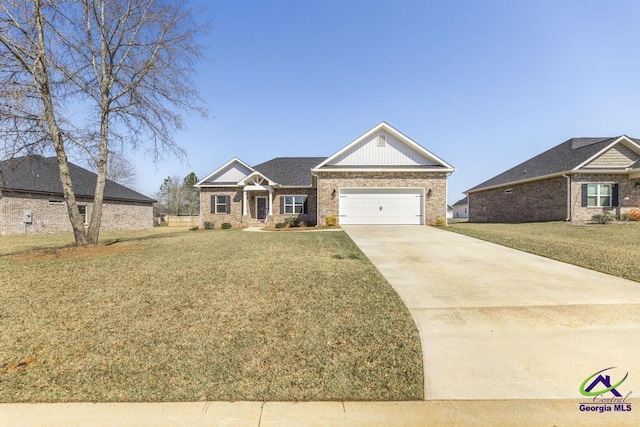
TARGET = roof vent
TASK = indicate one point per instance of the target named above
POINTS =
(382, 140)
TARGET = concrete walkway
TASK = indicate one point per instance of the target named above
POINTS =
(284, 414)
(497, 323)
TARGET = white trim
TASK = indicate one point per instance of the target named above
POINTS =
(235, 159)
(284, 205)
(215, 203)
(398, 135)
(634, 173)
(382, 169)
(243, 181)
(621, 139)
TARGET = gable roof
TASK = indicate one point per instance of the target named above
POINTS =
(563, 158)
(38, 174)
(415, 155)
(290, 171)
(226, 171)
(464, 201)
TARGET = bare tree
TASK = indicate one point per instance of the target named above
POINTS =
(119, 169)
(127, 63)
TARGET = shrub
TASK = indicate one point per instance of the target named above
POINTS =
(331, 221)
(226, 225)
(441, 222)
(603, 218)
(625, 217)
(281, 225)
(634, 214)
(196, 228)
(208, 225)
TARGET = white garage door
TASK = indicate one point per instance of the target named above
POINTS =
(381, 205)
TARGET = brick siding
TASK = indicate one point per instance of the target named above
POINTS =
(547, 200)
(435, 206)
(50, 214)
(235, 216)
(628, 195)
(529, 202)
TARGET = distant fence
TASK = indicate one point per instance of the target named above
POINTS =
(182, 221)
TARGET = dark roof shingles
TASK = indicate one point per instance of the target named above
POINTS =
(561, 158)
(290, 171)
(40, 175)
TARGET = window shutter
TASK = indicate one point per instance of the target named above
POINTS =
(213, 203)
(281, 205)
(227, 203)
(584, 195)
(304, 206)
(614, 197)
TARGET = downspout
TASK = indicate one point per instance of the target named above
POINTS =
(313, 175)
(568, 196)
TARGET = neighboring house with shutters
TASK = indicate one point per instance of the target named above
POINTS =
(571, 181)
(31, 199)
(382, 177)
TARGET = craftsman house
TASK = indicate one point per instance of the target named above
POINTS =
(382, 177)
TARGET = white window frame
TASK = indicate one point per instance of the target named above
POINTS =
(83, 215)
(598, 196)
(294, 204)
(224, 204)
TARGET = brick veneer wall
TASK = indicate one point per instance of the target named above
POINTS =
(628, 195)
(53, 218)
(434, 206)
(235, 216)
(529, 202)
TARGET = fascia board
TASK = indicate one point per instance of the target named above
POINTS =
(235, 159)
(623, 139)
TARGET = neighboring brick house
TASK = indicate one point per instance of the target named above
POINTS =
(31, 184)
(571, 181)
(382, 177)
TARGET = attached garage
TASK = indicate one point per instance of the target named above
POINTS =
(381, 206)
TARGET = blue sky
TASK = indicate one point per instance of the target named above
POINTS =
(482, 84)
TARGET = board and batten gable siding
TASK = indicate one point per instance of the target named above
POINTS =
(393, 153)
(618, 156)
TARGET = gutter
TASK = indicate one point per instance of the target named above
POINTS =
(568, 196)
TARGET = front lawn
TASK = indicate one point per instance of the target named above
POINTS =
(206, 315)
(611, 249)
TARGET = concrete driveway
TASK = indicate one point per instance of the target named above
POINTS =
(497, 323)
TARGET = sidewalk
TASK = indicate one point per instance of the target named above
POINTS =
(259, 414)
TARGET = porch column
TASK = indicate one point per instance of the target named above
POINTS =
(270, 201)
(244, 202)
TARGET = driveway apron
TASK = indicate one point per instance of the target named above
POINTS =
(497, 323)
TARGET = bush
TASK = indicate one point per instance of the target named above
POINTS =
(196, 228)
(208, 225)
(226, 225)
(331, 221)
(603, 218)
(441, 222)
(281, 225)
(634, 214)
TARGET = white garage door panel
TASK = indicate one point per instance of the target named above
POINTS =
(381, 206)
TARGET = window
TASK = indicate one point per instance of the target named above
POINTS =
(221, 204)
(382, 140)
(83, 213)
(599, 195)
(294, 204)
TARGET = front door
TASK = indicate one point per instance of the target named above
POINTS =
(261, 208)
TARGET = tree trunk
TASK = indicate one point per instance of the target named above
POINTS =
(41, 76)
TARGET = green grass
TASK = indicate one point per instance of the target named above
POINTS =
(611, 249)
(205, 315)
